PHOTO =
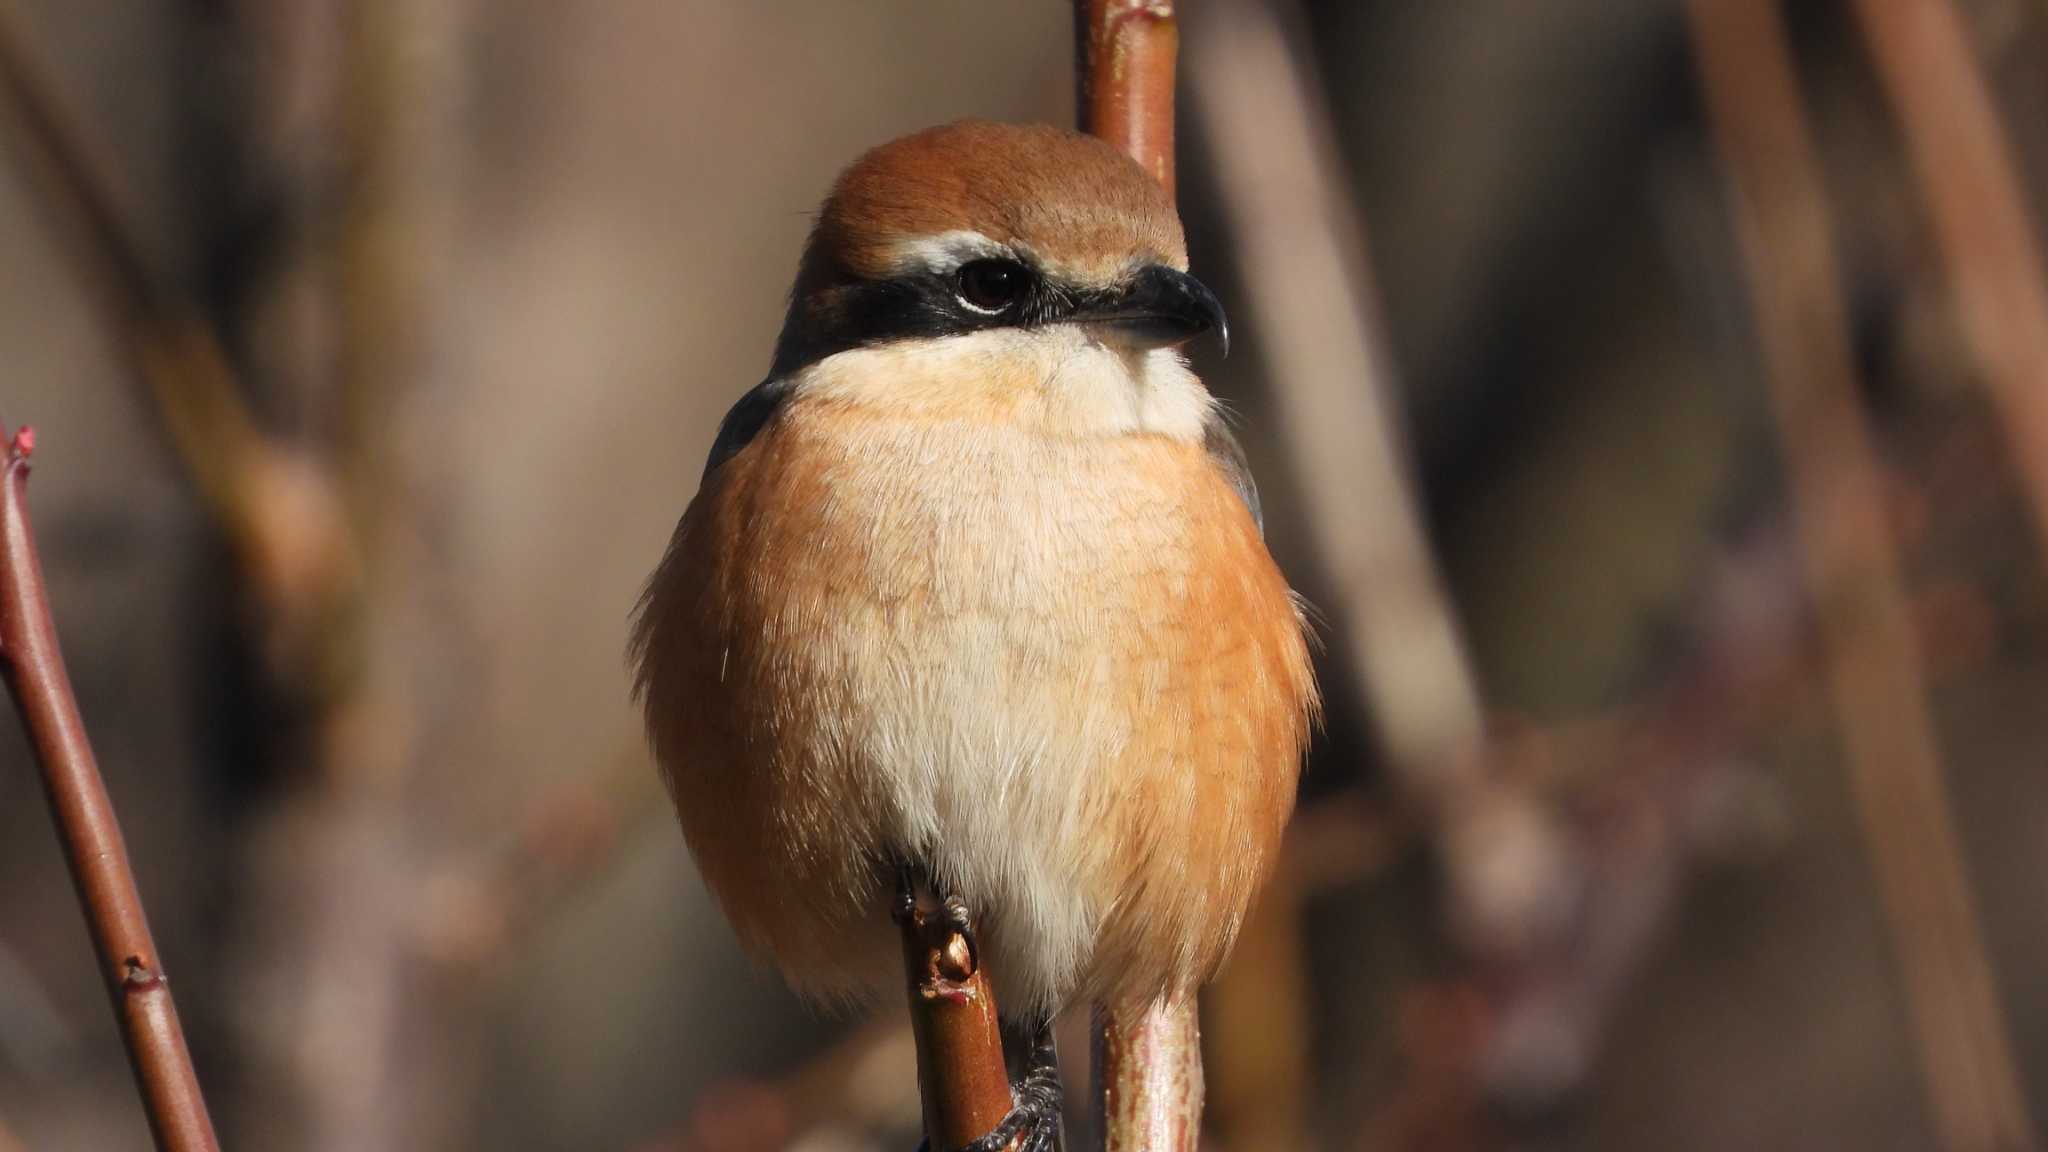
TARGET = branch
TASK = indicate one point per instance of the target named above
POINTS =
(1926, 64)
(34, 668)
(960, 1069)
(1124, 54)
(478, 905)
(1148, 1077)
(1874, 672)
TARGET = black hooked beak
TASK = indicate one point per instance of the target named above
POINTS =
(1160, 307)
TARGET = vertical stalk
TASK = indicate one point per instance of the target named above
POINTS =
(1124, 57)
(1148, 1059)
(1148, 1068)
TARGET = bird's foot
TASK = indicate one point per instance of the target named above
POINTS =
(950, 911)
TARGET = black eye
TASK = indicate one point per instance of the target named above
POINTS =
(992, 285)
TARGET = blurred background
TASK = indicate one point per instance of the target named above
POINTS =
(1649, 396)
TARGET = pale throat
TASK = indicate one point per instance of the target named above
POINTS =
(1061, 379)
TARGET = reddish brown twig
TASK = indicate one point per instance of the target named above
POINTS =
(1928, 67)
(959, 1047)
(1852, 569)
(1124, 55)
(34, 667)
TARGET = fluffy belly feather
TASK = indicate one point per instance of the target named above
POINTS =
(1062, 674)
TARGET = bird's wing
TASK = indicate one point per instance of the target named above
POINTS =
(745, 419)
(1229, 456)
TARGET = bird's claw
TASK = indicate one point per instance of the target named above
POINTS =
(1025, 1129)
(953, 914)
(952, 911)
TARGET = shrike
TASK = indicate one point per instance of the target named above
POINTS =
(973, 590)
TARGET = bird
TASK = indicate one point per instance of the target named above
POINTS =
(974, 593)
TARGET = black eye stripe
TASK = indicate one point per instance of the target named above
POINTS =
(914, 305)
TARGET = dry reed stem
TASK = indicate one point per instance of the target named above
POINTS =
(1926, 64)
(91, 835)
(1873, 666)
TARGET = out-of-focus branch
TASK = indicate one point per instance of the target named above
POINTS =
(960, 1070)
(1124, 55)
(476, 906)
(1926, 63)
(373, 1063)
(1873, 666)
(1302, 252)
(1301, 246)
(1342, 839)
(34, 668)
(277, 509)
(1257, 1013)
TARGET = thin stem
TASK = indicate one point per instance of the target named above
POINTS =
(91, 836)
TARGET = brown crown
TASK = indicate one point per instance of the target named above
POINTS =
(1071, 199)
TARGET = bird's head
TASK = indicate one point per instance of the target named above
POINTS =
(974, 227)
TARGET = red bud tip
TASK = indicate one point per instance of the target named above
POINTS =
(24, 442)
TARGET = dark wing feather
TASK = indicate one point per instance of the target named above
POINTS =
(745, 419)
(1229, 456)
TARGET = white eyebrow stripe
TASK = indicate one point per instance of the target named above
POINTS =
(943, 254)
(946, 251)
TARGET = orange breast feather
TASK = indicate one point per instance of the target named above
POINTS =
(1063, 673)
